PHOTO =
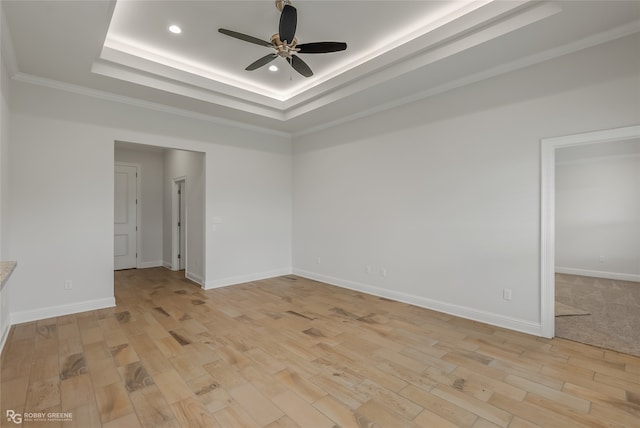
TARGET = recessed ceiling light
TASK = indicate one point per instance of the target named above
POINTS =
(273, 67)
(175, 29)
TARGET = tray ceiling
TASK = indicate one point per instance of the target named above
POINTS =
(396, 49)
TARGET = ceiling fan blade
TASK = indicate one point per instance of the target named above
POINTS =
(244, 37)
(262, 61)
(321, 47)
(300, 66)
(288, 23)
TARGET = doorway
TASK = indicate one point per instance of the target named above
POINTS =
(179, 222)
(548, 195)
(162, 172)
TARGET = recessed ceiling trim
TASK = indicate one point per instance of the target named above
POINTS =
(118, 71)
(385, 41)
(475, 24)
(150, 63)
(133, 55)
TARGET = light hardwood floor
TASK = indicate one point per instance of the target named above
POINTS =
(289, 352)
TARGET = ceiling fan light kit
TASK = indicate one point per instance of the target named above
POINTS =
(285, 43)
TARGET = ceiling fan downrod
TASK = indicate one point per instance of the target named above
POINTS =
(281, 3)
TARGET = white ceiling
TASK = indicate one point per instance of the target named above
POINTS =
(397, 51)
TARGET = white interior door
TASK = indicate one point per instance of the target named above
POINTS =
(125, 217)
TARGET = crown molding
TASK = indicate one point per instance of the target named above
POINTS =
(176, 86)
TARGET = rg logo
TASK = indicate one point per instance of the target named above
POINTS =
(14, 417)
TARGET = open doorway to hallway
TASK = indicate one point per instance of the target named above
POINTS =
(161, 173)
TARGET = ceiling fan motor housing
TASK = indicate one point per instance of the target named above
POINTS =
(282, 49)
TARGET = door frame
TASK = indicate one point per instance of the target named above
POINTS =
(548, 148)
(138, 168)
(175, 214)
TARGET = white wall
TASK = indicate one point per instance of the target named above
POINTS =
(62, 156)
(4, 152)
(190, 166)
(250, 225)
(598, 215)
(444, 193)
(60, 206)
(4, 193)
(151, 182)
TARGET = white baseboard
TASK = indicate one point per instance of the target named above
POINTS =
(224, 282)
(56, 311)
(498, 320)
(146, 265)
(598, 274)
(167, 265)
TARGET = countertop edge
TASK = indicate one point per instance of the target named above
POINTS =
(6, 269)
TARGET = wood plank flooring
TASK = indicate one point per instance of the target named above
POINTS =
(290, 352)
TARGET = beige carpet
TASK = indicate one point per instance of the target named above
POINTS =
(612, 318)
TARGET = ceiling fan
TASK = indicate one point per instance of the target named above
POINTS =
(285, 43)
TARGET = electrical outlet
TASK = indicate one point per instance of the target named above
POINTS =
(367, 269)
(318, 260)
(506, 294)
(68, 284)
(383, 272)
(601, 259)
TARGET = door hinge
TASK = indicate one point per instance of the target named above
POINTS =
(178, 224)
(178, 255)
